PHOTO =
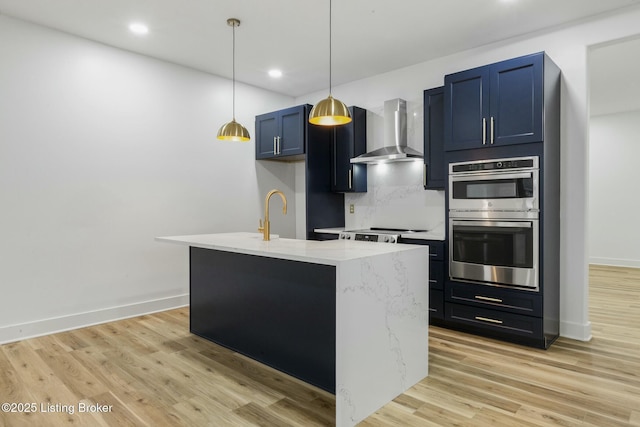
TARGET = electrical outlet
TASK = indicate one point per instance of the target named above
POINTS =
(352, 208)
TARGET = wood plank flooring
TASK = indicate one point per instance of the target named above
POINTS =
(149, 371)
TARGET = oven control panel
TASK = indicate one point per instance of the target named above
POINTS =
(495, 164)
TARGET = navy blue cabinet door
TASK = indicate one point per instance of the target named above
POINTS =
(516, 101)
(435, 169)
(281, 133)
(498, 104)
(292, 132)
(349, 141)
(266, 132)
(466, 105)
(342, 151)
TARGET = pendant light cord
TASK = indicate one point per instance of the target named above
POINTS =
(234, 72)
(330, 48)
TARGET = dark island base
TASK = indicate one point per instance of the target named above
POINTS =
(279, 312)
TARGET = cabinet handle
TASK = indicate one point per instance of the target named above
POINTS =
(486, 319)
(492, 123)
(275, 150)
(433, 281)
(488, 299)
(279, 147)
(484, 131)
(424, 176)
(350, 178)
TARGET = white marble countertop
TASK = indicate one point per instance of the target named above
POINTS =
(329, 252)
(435, 234)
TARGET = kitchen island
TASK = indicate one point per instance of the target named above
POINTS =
(349, 317)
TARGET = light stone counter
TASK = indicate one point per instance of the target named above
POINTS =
(382, 311)
(333, 230)
(435, 234)
(330, 252)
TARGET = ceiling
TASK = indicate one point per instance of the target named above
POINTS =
(369, 36)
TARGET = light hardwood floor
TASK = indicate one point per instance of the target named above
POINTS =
(152, 372)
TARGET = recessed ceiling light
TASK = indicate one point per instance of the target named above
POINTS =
(275, 73)
(138, 28)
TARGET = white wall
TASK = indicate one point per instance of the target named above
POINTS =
(568, 48)
(614, 200)
(100, 151)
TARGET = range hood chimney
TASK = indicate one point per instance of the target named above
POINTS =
(395, 137)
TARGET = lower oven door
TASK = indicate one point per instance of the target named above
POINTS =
(500, 252)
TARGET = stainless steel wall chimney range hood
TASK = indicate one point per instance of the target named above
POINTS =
(395, 137)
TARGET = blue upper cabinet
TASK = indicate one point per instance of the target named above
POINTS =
(266, 133)
(435, 167)
(517, 101)
(497, 104)
(281, 134)
(466, 107)
(349, 141)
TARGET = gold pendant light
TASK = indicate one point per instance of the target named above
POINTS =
(329, 111)
(234, 131)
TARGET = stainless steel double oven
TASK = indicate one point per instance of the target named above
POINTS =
(494, 213)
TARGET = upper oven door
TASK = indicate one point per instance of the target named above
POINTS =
(514, 191)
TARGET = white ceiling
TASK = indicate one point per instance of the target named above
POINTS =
(369, 36)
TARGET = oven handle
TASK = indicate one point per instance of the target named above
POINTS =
(503, 224)
(490, 176)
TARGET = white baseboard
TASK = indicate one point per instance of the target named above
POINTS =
(633, 263)
(38, 328)
(576, 331)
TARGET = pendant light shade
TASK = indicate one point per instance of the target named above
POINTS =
(329, 111)
(233, 131)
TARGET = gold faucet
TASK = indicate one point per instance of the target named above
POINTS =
(266, 228)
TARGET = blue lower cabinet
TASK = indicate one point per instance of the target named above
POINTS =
(436, 304)
(495, 298)
(493, 323)
(436, 275)
(507, 314)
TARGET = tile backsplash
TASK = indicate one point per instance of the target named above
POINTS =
(395, 198)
